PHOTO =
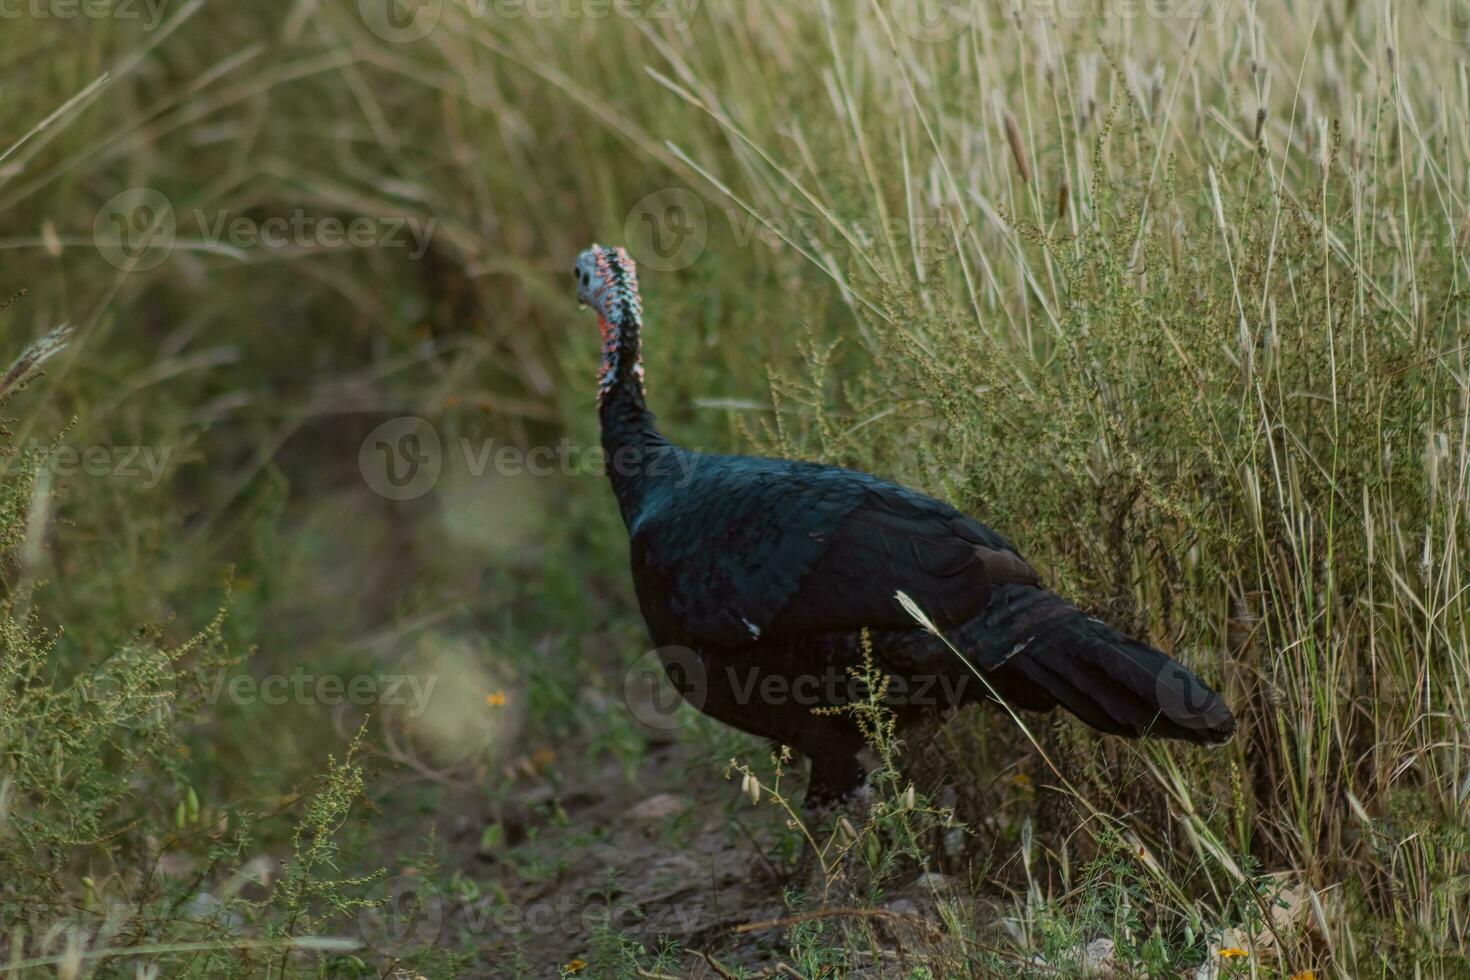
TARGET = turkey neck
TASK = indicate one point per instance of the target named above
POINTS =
(628, 435)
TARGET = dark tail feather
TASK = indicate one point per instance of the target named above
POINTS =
(1038, 650)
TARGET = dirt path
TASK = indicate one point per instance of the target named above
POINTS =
(572, 873)
(576, 875)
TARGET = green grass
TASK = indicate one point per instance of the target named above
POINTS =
(1173, 302)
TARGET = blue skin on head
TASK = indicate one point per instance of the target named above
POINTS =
(607, 281)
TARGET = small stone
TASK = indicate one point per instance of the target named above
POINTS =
(1100, 957)
(902, 906)
(203, 905)
(659, 807)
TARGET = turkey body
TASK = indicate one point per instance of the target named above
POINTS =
(757, 578)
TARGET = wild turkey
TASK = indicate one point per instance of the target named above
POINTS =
(757, 576)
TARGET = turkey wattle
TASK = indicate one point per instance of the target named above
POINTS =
(766, 571)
